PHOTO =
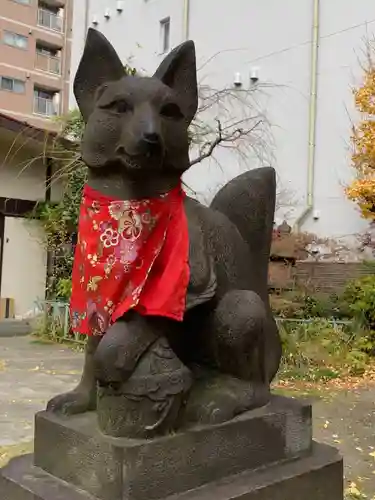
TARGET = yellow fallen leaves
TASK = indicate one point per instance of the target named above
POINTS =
(9, 452)
(54, 372)
(353, 493)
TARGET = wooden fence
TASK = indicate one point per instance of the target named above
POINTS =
(326, 277)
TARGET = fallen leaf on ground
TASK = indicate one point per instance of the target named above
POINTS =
(12, 451)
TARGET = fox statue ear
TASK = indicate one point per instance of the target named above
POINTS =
(179, 71)
(99, 64)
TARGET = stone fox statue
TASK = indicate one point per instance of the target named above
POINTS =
(157, 275)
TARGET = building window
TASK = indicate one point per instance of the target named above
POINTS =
(12, 85)
(48, 59)
(51, 18)
(45, 102)
(24, 2)
(15, 40)
(165, 34)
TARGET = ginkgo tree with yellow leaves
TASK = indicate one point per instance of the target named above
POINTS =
(362, 188)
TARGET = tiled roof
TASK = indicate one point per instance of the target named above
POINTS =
(14, 125)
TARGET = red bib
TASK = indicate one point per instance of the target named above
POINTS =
(129, 255)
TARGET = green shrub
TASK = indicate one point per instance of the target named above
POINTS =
(360, 294)
(64, 289)
(325, 306)
(302, 304)
(321, 350)
(49, 328)
(286, 305)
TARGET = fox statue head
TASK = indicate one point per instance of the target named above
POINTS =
(136, 126)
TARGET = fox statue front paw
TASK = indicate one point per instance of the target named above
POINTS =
(79, 400)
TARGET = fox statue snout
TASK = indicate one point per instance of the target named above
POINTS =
(141, 142)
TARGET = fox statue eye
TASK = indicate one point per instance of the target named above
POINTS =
(171, 110)
(119, 106)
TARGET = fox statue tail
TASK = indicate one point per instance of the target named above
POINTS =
(249, 203)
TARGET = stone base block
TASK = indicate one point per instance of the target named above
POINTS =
(316, 477)
(74, 450)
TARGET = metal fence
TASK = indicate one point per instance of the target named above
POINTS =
(49, 20)
(56, 318)
(50, 64)
(332, 321)
(56, 315)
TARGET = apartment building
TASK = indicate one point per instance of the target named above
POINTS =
(35, 40)
(304, 55)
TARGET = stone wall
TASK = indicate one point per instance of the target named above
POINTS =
(329, 276)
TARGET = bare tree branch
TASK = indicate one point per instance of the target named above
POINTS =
(211, 145)
(231, 119)
(228, 140)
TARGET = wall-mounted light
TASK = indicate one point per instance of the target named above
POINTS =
(107, 14)
(120, 6)
(237, 80)
(95, 21)
(254, 75)
(316, 214)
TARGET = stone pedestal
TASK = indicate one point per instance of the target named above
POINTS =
(264, 454)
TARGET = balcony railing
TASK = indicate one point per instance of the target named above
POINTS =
(50, 64)
(43, 106)
(49, 20)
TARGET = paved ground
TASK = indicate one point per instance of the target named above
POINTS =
(347, 420)
(30, 373)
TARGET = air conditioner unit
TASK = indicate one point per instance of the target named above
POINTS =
(107, 13)
(120, 6)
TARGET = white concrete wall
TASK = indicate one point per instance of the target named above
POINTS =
(135, 32)
(20, 177)
(339, 70)
(23, 172)
(23, 176)
(24, 264)
(276, 37)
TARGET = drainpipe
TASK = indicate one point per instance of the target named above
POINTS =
(186, 21)
(68, 16)
(312, 116)
(87, 13)
(49, 272)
